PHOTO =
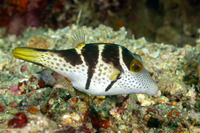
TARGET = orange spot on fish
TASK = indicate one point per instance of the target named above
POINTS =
(80, 45)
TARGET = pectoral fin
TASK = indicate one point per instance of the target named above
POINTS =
(114, 74)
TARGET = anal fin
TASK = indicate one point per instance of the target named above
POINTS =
(67, 79)
(63, 82)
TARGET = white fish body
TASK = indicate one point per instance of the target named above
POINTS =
(96, 68)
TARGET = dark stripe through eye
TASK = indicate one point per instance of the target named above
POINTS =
(127, 57)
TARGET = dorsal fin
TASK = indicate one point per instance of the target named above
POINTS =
(77, 38)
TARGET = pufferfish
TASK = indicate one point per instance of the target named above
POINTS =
(95, 68)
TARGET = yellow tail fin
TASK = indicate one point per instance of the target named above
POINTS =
(28, 54)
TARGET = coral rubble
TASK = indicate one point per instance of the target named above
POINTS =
(33, 98)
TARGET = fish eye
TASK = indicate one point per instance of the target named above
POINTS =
(136, 65)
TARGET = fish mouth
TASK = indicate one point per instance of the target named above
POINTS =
(154, 90)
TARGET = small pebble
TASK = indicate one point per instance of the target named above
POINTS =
(155, 54)
(33, 110)
(170, 48)
(23, 68)
(145, 50)
(122, 127)
(51, 101)
(2, 107)
(14, 89)
(20, 120)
